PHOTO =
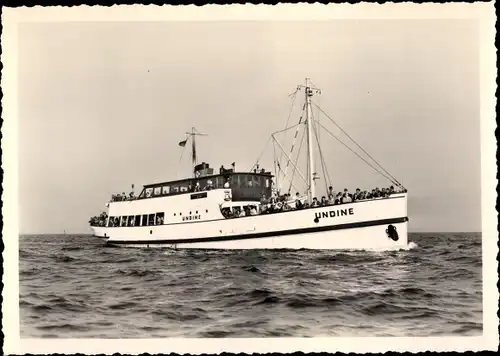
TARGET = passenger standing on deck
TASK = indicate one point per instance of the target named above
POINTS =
(253, 211)
(298, 203)
(357, 195)
(331, 194)
(346, 198)
(209, 185)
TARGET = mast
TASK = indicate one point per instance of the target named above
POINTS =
(194, 157)
(311, 193)
(193, 149)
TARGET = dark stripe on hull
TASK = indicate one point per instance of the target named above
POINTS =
(262, 234)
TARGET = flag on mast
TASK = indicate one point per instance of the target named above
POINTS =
(183, 143)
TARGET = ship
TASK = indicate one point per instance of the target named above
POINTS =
(254, 209)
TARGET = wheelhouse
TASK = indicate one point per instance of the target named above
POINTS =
(244, 186)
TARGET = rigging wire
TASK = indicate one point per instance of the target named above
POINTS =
(294, 96)
(350, 149)
(290, 180)
(289, 128)
(316, 132)
(260, 156)
(293, 143)
(282, 149)
(297, 161)
(393, 179)
(323, 164)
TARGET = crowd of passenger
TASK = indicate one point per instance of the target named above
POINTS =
(123, 196)
(99, 220)
(285, 202)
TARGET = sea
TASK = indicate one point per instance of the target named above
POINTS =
(73, 286)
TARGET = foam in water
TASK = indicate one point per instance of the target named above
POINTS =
(412, 245)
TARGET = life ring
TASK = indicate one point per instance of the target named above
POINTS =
(392, 232)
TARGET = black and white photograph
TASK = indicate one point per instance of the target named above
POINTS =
(239, 176)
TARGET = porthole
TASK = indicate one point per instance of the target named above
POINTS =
(206, 210)
(175, 214)
(180, 214)
(190, 212)
(196, 211)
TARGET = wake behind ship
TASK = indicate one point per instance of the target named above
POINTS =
(232, 209)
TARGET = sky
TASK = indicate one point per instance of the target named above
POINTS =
(104, 105)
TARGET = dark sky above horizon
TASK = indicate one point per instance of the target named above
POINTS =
(104, 105)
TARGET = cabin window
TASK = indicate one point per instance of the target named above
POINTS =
(219, 182)
(235, 180)
(137, 221)
(201, 182)
(151, 219)
(267, 182)
(183, 188)
(144, 220)
(175, 188)
(160, 218)
(111, 221)
(149, 192)
(124, 221)
(131, 221)
(262, 181)
(165, 190)
(157, 191)
(256, 181)
(248, 182)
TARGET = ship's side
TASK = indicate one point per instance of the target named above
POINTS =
(99, 231)
(198, 223)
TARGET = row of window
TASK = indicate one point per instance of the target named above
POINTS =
(136, 220)
(142, 220)
(235, 181)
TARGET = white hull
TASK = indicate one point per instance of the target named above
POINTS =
(360, 225)
(99, 231)
(366, 238)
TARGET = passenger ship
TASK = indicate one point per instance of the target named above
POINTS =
(197, 212)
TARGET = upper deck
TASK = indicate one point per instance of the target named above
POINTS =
(244, 185)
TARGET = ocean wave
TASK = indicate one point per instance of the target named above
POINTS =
(383, 308)
(64, 259)
(251, 268)
(122, 305)
(75, 288)
(71, 248)
(138, 273)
